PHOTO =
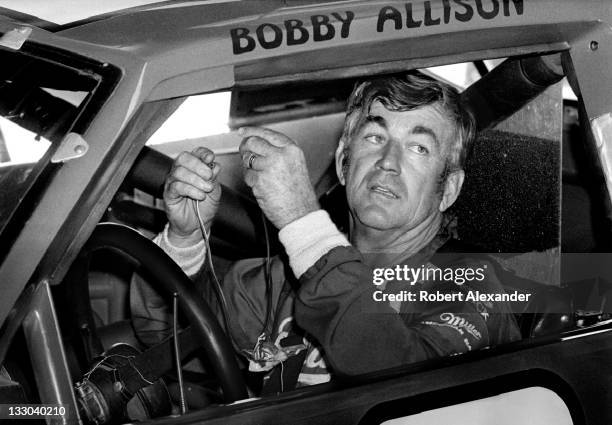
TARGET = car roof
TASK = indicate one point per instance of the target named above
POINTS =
(255, 41)
(155, 29)
(60, 15)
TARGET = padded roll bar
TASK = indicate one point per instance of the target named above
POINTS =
(509, 86)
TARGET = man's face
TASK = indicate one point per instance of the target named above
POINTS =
(396, 160)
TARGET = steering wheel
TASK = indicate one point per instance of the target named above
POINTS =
(166, 276)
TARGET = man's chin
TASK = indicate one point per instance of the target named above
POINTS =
(376, 219)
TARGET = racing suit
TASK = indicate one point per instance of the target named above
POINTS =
(331, 310)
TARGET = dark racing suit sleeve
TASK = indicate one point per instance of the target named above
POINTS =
(335, 304)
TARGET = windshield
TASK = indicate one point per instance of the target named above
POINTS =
(39, 102)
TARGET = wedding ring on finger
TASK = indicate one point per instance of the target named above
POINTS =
(251, 160)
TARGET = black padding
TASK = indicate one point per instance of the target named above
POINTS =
(510, 200)
(510, 86)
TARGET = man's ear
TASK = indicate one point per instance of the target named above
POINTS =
(452, 188)
(341, 162)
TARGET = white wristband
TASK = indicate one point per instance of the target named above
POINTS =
(309, 238)
(189, 259)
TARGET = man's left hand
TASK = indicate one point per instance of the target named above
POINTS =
(275, 169)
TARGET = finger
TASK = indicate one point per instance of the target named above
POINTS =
(274, 137)
(258, 146)
(187, 176)
(250, 178)
(194, 164)
(249, 161)
(215, 171)
(177, 190)
(256, 162)
(204, 154)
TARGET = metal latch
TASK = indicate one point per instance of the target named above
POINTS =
(15, 38)
(72, 146)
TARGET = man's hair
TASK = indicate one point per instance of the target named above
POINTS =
(408, 92)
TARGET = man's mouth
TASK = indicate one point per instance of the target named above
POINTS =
(384, 191)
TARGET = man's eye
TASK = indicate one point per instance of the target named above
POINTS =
(374, 138)
(420, 149)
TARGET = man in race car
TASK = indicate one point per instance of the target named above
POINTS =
(400, 158)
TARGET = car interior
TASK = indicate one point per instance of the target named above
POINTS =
(534, 193)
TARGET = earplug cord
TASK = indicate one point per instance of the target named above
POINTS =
(217, 286)
(268, 275)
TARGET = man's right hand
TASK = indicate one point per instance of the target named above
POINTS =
(191, 178)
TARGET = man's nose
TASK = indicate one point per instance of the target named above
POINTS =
(390, 159)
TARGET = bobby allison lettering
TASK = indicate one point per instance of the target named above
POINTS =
(325, 27)
(457, 10)
(270, 36)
